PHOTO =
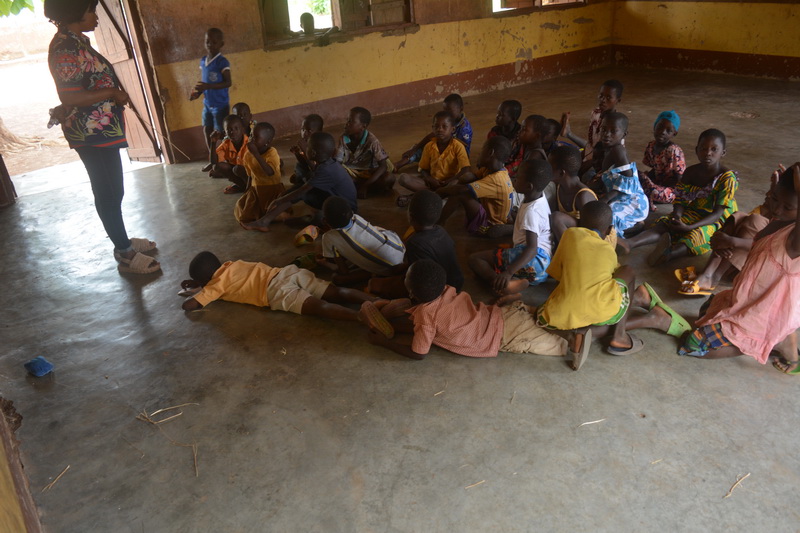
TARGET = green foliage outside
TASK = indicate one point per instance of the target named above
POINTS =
(13, 7)
(318, 7)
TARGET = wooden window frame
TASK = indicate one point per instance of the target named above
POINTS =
(517, 7)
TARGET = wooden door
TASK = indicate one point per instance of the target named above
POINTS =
(389, 12)
(115, 43)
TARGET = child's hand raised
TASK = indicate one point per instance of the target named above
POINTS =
(216, 136)
(252, 148)
(565, 127)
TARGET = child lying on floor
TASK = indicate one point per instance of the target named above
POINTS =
(450, 320)
(761, 313)
(593, 295)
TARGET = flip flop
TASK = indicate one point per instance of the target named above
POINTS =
(678, 325)
(661, 252)
(396, 307)
(637, 345)
(794, 372)
(686, 274)
(692, 288)
(140, 264)
(373, 317)
(578, 358)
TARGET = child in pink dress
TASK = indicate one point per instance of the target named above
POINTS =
(761, 312)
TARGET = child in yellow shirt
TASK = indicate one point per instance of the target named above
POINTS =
(263, 167)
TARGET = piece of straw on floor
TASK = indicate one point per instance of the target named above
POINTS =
(50, 485)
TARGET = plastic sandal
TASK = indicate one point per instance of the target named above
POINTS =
(375, 320)
(678, 325)
(142, 245)
(578, 358)
(692, 288)
(140, 264)
(637, 345)
(686, 274)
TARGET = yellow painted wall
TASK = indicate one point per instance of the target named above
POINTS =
(748, 28)
(275, 79)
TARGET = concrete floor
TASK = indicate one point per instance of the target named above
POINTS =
(301, 425)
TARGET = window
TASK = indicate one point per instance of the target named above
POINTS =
(281, 18)
(507, 5)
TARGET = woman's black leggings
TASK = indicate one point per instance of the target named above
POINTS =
(105, 173)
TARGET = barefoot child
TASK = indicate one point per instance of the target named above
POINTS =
(291, 289)
(608, 98)
(227, 158)
(704, 199)
(485, 196)
(263, 166)
(362, 154)
(506, 121)
(302, 169)
(428, 241)
(528, 144)
(593, 295)
(761, 313)
(512, 270)
(450, 320)
(454, 105)
(215, 78)
(354, 241)
(329, 179)
(444, 159)
(665, 159)
(620, 185)
(571, 193)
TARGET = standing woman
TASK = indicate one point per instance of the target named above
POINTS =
(91, 117)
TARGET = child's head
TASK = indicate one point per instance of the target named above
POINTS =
(321, 146)
(613, 128)
(551, 131)
(497, 149)
(508, 113)
(263, 134)
(311, 124)
(532, 177)
(610, 95)
(425, 280)
(203, 267)
(234, 128)
(533, 130)
(443, 126)
(565, 160)
(242, 110)
(337, 212)
(665, 128)
(596, 216)
(357, 122)
(783, 198)
(711, 147)
(307, 23)
(454, 104)
(424, 209)
(215, 40)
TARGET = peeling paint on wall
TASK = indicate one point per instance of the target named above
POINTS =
(550, 26)
(582, 20)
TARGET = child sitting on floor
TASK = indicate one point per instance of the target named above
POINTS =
(486, 195)
(329, 179)
(704, 199)
(242, 111)
(528, 144)
(354, 241)
(571, 193)
(303, 168)
(263, 166)
(594, 293)
(428, 241)
(512, 270)
(665, 159)
(454, 105)
(362, 154)
(761, 313)
(506, 121)
(450, 320)
(284, 289)
(732, 243)
(444, 159)
(226, 159)
(608, 98)
(619, 183)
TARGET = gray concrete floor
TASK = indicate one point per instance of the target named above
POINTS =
(301, 425)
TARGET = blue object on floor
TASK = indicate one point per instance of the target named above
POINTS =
(39, 366)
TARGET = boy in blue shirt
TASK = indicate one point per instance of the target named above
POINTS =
(213, 85)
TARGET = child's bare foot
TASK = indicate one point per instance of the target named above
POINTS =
(623, 248)
(515, 286)
(508, 299)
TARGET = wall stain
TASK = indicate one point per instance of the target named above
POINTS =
(550, 26)
(513, 36)
(583, 20)
(524, 53)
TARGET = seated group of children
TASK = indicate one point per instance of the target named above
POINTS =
(599, 206)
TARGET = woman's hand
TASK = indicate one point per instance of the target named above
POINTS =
(120, 97)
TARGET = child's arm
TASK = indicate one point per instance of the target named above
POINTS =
(616, 157)
(452, 190)
(421, 144)
(291, 196)
(566, 131)
(253, 149)
(224, 84)
(215, 137)
(429, 180)
(793, 241)
(397, 347)
(528, 253)
(190, 304)
(381, 170)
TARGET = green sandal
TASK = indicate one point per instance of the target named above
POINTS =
(794, 372)
(678, 325)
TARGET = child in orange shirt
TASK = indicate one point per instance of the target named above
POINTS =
(226, 159)
(263, 166)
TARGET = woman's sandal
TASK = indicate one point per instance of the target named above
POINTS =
(637, 345)
(686, 274)
(579, 357)
(140, 264)
(692, 288)
(782, 361)
(677, 325)
(142, 245)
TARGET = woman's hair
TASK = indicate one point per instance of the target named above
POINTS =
(62, 12)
